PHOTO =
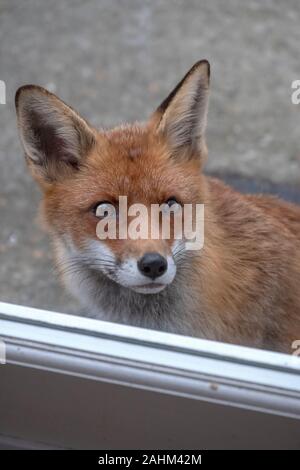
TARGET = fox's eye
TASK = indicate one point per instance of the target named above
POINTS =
(104, 209)
(172, 204)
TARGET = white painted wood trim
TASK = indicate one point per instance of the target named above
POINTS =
(166, 363)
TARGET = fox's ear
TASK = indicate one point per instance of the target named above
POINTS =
(55, 138)
(182, 116)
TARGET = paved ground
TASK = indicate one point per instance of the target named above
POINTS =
(115, 60)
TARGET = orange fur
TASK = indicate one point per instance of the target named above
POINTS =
(243, 286)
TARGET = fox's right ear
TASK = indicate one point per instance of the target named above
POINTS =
(181, 117)
(54, 137)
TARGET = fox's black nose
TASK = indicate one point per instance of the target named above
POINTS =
(152, 265)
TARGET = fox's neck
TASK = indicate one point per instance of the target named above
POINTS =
(240, 280)
(166, 311)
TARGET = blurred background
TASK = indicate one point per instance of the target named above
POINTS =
(115, 61)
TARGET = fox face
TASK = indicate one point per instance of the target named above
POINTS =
(83, 172)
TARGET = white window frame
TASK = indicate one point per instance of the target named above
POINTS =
(245, 379)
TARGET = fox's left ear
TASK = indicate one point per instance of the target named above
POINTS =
(182, 116)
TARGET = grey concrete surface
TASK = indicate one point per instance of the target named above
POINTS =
(115, 61)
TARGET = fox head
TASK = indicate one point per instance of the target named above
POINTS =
(83, 172)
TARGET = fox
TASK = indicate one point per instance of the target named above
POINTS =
(242, 287)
